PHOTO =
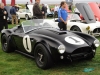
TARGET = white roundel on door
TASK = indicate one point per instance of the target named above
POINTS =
(27, 43)
(74, 40)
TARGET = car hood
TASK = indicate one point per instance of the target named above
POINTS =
(86, 12)
(8, 10)
(69, 39)
(95, 9)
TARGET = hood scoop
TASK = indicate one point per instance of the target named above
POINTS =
(58, 32)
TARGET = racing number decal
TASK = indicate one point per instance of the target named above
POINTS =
(27, 43)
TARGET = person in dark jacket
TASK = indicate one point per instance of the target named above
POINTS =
(26, 5)
(44, 9)
(13, 14)
(3, 17)
(37, 13)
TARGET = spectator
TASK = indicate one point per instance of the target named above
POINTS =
(37, 13)
(17, 7)
(62, 16)
(44, 9)
(13, 14)
(70, 7)
(56, 11)
(26, 5)
(77, 11)
(3, 17)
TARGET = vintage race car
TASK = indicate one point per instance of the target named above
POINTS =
(89, 25)
(24, 13)
(95, 8)
(47, 44)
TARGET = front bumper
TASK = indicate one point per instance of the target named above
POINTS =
(81, 53)
(95, 32)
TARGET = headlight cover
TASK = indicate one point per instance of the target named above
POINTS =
(61, 49)
(88, 28)
(96, 43)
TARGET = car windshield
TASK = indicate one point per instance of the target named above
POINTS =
(30, 25)
(74, 17)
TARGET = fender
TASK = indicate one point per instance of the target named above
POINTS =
(89, 38)
(7, 32)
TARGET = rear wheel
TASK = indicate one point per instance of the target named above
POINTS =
(42, 57)
(6, 44)
(75, 28)
(26, 17)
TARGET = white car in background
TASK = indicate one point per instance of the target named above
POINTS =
(24, 13)
(89, 25)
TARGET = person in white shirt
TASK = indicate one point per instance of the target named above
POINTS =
(56, 11)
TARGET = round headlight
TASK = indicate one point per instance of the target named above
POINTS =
(96, 43)
(61, 49)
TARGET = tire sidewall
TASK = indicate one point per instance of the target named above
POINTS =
(26, 17)
(76, 27)
(46, 54)
(9, 47)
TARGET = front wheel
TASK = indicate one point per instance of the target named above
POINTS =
(75, 28)
(6, 44)
(26, 17)
(42, 57)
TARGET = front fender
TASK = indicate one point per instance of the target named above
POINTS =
(87, 37)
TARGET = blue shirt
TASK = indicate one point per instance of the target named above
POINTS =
(13, 11)
(62, 13)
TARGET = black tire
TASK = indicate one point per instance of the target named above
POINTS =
(75, 28)
(6, 44)
(26, 17)
(42, 57)
(18, 21)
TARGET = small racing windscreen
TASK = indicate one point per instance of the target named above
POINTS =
(30, 25)
(73, 17)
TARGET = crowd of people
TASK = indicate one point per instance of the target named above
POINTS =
(59, 11)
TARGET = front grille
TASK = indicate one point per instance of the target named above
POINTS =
(82, 50)
(97, 30)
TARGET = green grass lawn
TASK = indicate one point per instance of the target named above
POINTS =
(17, 64)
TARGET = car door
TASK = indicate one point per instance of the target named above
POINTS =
(24, 42)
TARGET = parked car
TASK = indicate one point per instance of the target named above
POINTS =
(49, 12)
(9, 19)
(95, 9)
(89, 25)
(24, 13)
(47, 44)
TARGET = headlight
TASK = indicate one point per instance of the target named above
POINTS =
(61, 49)
(88, 28)
(96, 43)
